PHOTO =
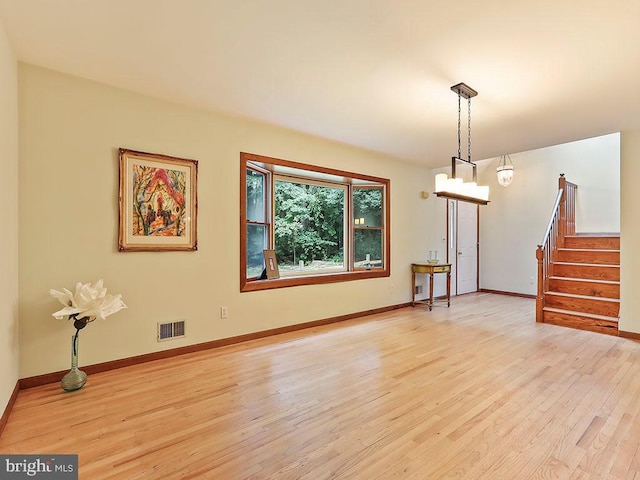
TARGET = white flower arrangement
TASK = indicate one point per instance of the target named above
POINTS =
(87, 303)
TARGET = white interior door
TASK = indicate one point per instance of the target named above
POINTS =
(467, 248)
(462, 246)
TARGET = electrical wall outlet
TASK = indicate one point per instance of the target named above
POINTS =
(530, 280)
(224, 312)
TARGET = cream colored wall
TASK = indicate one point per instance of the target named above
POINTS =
(513, 224)
(70, 130)
(9, 237)
(629, 231)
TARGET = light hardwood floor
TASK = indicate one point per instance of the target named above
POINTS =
(477, 391)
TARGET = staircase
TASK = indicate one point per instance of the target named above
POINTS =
(583, 289)
(578, 274)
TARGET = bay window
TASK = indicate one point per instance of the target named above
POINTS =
(325, 225)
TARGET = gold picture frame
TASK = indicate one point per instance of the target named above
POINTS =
(271, 264)
(157, 202)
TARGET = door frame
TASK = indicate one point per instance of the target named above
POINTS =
(454, 262)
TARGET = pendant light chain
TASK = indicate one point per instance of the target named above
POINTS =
(459, 114)
(456, 188)
(469, 129)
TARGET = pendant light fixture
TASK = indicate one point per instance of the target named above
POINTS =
(505, 171)
(455, 187)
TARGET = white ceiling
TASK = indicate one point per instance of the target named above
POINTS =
(371, 73)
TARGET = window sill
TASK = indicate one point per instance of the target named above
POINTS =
(283, 282)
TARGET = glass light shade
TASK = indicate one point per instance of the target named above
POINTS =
(505, 175)
(441, 182)
(456, 186)
(482, 192)
(505, 171)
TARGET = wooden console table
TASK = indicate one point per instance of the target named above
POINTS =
(431, 270)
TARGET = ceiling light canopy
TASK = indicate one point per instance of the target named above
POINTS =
(455, 187)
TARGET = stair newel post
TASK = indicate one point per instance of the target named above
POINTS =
(540, 295)
(562, 223)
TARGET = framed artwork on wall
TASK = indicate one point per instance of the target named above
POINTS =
(158, 202)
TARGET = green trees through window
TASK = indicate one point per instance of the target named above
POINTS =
(367, 235)
(309, 226)
(324, 225)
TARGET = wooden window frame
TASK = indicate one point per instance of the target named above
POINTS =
(267, 207)
(271, 165)
(359, 227)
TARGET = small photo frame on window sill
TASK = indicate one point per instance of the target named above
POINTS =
(271, 264)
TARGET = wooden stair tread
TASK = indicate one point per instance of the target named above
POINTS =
(607, 325)
(589, 297)
(611, 242)
(586, 280)
(587, 255)
(581, 314)
(589, 249)
(595, 234)
(587, 264)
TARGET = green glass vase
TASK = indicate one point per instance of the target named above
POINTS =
(75, 378)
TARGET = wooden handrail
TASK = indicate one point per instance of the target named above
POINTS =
(561, 224)
(554, 216)
(567, 209)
